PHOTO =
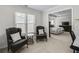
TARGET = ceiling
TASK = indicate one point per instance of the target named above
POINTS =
(64, 12)
(61, 13)
(41, 7)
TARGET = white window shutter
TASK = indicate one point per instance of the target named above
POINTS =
(20, 17)
(22, 26)
(30, 23)
(20, 20)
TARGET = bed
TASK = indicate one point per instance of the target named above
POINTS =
(56, 30)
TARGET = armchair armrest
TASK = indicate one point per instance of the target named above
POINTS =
(45, 33)
(23, 37)
(10, 42)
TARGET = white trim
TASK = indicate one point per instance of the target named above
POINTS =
(60, 10)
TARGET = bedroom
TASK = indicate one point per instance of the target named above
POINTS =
(60, 22)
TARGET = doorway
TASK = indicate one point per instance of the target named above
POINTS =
(60, 21)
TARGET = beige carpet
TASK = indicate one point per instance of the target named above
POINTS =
(56, 44)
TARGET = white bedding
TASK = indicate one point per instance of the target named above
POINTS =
(56, 30)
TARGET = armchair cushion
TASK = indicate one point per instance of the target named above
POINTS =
(41, 31)
(19, 42)
(15, 37)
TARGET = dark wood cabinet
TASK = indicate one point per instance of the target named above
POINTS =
(67, 28)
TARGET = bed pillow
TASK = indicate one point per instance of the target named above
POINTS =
(41, 31)
(15, 36)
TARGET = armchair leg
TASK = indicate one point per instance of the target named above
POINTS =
(13, 52)
(27, 43)
(74, 51)
(46, 39)
(8, 49)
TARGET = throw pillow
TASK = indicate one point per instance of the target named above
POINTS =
(15, 36)
(41, 31)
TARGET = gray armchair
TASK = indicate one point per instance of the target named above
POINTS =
(40, 36)
(14, 46)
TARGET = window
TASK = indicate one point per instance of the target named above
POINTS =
(20, 20)
(25, 22)
(30, 23)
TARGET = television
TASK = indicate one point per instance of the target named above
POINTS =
(65, 23)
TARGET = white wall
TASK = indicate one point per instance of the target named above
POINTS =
(7, 19)
(64, 18)
(58, 21)
(45, 22)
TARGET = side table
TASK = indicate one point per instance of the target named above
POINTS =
(30, 39)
